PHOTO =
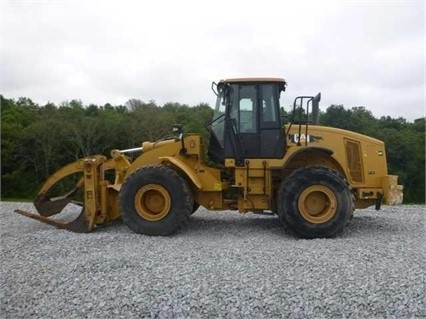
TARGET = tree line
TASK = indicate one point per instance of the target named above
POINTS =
(36, 140)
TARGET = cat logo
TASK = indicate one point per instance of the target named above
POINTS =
(294, 138)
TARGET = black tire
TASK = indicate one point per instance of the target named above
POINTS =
(155, 200)
(195, 207)
(315, 202)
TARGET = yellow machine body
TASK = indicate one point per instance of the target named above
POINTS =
(251, 185)
(359, 158)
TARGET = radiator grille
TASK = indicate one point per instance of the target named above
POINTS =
(353, 154)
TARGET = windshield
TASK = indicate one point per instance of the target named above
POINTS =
(218, 124)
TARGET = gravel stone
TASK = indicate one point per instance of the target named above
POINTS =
(220, 265)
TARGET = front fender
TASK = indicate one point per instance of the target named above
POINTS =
(184, 168)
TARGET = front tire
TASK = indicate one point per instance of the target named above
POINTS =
(155, 200)
(315, 202)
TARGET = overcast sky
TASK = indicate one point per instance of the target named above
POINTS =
(357, 53)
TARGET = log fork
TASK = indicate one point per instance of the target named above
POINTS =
(100, 204)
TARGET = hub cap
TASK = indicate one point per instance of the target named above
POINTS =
(152, 202)
(317, 204)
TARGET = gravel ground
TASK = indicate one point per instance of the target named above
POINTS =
(221, 265)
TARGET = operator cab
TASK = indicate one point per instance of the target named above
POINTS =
(247, 122)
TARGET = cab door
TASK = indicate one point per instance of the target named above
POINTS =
(271, 132)
(253, 125)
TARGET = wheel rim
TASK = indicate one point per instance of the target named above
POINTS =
(317, 204)
(152, 202)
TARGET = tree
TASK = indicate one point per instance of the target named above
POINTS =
(405, 144)
(61, 134)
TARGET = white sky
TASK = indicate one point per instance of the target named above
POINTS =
(357, 53)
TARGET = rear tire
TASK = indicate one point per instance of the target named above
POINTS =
(315, 202)
(155, 200)
(195, 208)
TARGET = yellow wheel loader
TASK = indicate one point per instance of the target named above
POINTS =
(313, 177)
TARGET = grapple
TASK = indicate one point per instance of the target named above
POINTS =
(94, 182)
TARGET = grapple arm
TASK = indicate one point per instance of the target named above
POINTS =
(98, 199)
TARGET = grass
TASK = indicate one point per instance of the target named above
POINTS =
(20, 200)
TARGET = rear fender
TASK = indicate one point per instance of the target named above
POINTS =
(312, 156)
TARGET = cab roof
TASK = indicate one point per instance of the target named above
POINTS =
(253, 79)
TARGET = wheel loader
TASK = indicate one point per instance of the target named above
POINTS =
(313, 177)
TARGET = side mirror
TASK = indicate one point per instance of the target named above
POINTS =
(177, 128)
(315, 109)
(214, 88)
(228, 94)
